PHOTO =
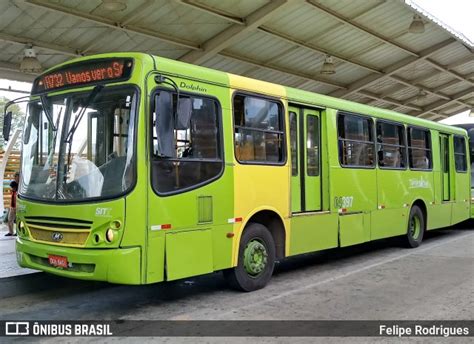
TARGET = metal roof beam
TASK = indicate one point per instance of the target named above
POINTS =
(269, 31)
(138, 12)
(9, 89)
(315, 48)
(392, 69)
(460, 62)
(43, 45)
(420, 87)
(441, 103)
(54, 7)
(447, 70)
(14, 74)
(234, 33)
(280, 69)
(213, 11)
(361, 28)
(389, 100)
(9, 66)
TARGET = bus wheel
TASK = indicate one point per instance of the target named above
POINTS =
(416, 227)
(256, 259)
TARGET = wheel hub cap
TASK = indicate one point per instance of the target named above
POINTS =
(415, 227)
(255, 257)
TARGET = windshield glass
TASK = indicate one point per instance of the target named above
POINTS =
(79, 146)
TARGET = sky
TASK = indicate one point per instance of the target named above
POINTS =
(455, 13)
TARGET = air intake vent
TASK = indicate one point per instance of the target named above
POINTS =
(205, 209)
(58, 231)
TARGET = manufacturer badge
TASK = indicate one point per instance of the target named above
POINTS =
(56, 236)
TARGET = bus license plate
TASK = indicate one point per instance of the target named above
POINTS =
(58, 261)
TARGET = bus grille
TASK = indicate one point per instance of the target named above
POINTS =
(62, 233)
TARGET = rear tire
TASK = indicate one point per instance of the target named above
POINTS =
(256, 259)
(416, 227)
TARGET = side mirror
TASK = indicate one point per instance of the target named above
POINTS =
(185, 109)
(164, 124)
(7, 124)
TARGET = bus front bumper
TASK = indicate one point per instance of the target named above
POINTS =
(117, 265)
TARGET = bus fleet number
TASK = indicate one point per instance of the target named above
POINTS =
(343, 202)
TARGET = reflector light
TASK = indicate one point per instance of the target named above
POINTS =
(234, 220)
(160, 227)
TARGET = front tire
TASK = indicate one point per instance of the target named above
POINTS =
(416, 227)
(256, 259)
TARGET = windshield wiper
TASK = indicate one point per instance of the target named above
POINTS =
(78, 118)
(45, 106)
(76, 122)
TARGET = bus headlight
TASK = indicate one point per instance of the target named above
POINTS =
(109, 235)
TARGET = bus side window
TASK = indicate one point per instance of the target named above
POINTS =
(258, 125)
(419, 148)
(197, 157)
(391, 148)
(356, 142)
(460, 154)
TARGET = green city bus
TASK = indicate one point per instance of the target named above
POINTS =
(139, 169)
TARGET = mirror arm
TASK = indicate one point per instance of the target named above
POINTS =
(11, 102)
(161, 79)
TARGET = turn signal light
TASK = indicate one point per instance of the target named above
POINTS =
(115, 224)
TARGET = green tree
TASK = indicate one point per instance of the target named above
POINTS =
(18, 119)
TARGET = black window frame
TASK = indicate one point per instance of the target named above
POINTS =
(153, 158)
(339, 140)
(294, 162)
(405, 146)
(409, 148)
(282, 132)
(464, 154)
(318, 141)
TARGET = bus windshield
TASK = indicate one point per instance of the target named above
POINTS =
(79, 145)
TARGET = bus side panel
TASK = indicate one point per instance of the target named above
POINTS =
(313, 232)
(461, 206)
(421, 186)
(351, 189)
(390, 217)
(197, 240)
(188, 253)
(259, 187)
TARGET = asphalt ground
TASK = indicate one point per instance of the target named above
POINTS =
(375, 281)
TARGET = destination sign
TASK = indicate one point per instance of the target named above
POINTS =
(90, 72)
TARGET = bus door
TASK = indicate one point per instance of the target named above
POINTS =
(445, 167)
(305, 160)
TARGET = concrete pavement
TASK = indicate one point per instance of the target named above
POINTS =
(8, 264)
